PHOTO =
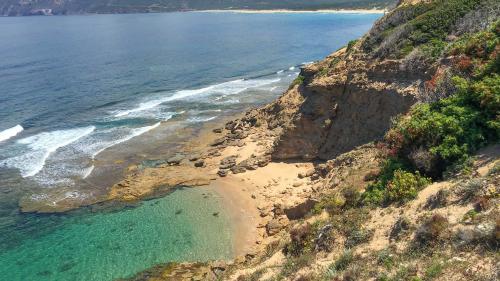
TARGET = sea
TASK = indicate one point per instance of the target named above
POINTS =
(82, 97)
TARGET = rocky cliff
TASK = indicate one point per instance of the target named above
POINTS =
(350, 98)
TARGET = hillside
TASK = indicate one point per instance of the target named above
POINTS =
(402, 129)
(62, 7)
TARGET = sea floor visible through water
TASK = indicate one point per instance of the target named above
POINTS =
(189, 224)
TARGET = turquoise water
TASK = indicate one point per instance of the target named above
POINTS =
(110, 245)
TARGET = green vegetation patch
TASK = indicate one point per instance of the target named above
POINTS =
(436, 139)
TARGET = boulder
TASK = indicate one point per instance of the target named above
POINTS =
(238, 169)
(217, 130)
(228, 162)
(273, 227)
(175, 160)
(194, 157)
(218, 141)
(199, 163)
(254, 162)
(222, 173)
(306, 174)
(300, 210)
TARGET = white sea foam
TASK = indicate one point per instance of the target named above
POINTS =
(39, 147)
(87, 171)
(226, 88)
(133, 133)
(279, 72)
(201, 119)
(291, 68)
(11, 132)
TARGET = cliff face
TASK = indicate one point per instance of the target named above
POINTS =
(349, 98)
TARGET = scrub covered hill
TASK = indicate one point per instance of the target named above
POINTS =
(58, 7)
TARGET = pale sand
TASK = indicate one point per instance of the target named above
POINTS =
(242, 212)
(284, 11)
(248, 194)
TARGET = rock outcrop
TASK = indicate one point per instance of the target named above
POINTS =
(345, 101)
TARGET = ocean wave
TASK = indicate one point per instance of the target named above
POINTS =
(226, 88)
(201, 119)
(41, 146)
(133, 133)
(10, 133)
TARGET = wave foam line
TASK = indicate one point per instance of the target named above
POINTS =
(10, 133)
(134, 133)
(41, 146)
(226, 88)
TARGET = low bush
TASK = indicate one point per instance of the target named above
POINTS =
(294, 264)
(438, 200)
(405, 186)
(302, 237)
(400, 228)
(298, 81)
(397, 186)
(351, 196)
(434, 270)
(432, 230)
(344, 261)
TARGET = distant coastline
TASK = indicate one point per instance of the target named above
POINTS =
(49, 12)
(286, 11)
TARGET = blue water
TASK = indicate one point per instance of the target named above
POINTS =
(74, 87)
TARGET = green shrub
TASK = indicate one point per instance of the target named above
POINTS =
(452, 128)
(435, 23)
(385, 258)
(434, 270)
(405, 186)
(298, 81)
(343, 261)
(332, 204)
(350, 45)
(294, 264)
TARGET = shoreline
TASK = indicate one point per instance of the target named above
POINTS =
(288, 11)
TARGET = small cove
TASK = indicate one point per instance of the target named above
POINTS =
(186, 225)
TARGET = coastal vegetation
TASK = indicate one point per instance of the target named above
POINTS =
(440, 137)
